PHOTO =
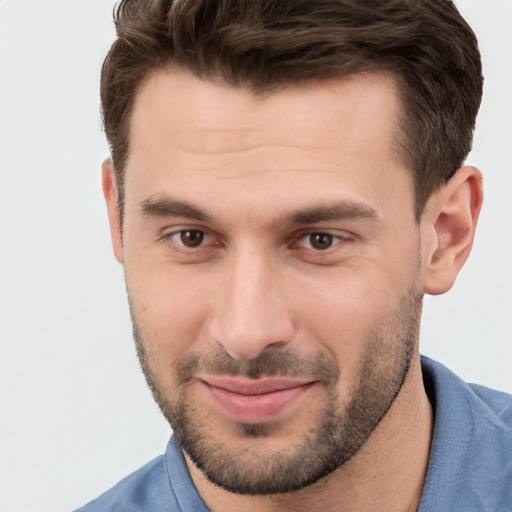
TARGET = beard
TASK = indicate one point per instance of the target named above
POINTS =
(340, 428)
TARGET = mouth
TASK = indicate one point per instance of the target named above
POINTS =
(260, 401)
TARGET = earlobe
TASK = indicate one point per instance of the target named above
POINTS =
(449, 226)
(108, 182)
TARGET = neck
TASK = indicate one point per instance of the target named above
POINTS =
(387, 474)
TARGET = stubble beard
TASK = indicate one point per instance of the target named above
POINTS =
(338, 433)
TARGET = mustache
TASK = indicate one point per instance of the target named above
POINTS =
(268, 364)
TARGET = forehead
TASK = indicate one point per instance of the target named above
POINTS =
(192, 111)
(187, 134)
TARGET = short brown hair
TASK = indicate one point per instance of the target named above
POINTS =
(262, 45)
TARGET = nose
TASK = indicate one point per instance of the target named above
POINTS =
(252, 314)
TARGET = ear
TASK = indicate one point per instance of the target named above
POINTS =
(108, 182)
(448, 229)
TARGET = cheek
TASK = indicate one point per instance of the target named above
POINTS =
(345, 310)
(170, 311)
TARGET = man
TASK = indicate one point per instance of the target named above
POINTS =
(287, 181)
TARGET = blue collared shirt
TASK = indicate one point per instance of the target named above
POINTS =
(470, 467)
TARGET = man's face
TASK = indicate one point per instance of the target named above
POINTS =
(272, 263)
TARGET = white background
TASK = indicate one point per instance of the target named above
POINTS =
(75, 414)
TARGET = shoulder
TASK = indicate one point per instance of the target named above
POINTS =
(487, 407)
(142, 490)
(470, 464)
(162, 485)
(498, 404)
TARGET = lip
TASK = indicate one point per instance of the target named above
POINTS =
(255, 401)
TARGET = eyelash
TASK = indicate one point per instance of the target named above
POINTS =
(333, 240)
(180, 232)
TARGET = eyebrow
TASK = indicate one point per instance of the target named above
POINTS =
(336, 211)
(167, 207)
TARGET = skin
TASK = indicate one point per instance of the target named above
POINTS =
(254, 166)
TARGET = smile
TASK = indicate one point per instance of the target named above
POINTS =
(260, 401)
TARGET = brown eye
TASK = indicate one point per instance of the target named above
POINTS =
(192, 238)
(320, 241)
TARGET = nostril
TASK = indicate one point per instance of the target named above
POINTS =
(249, 345)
